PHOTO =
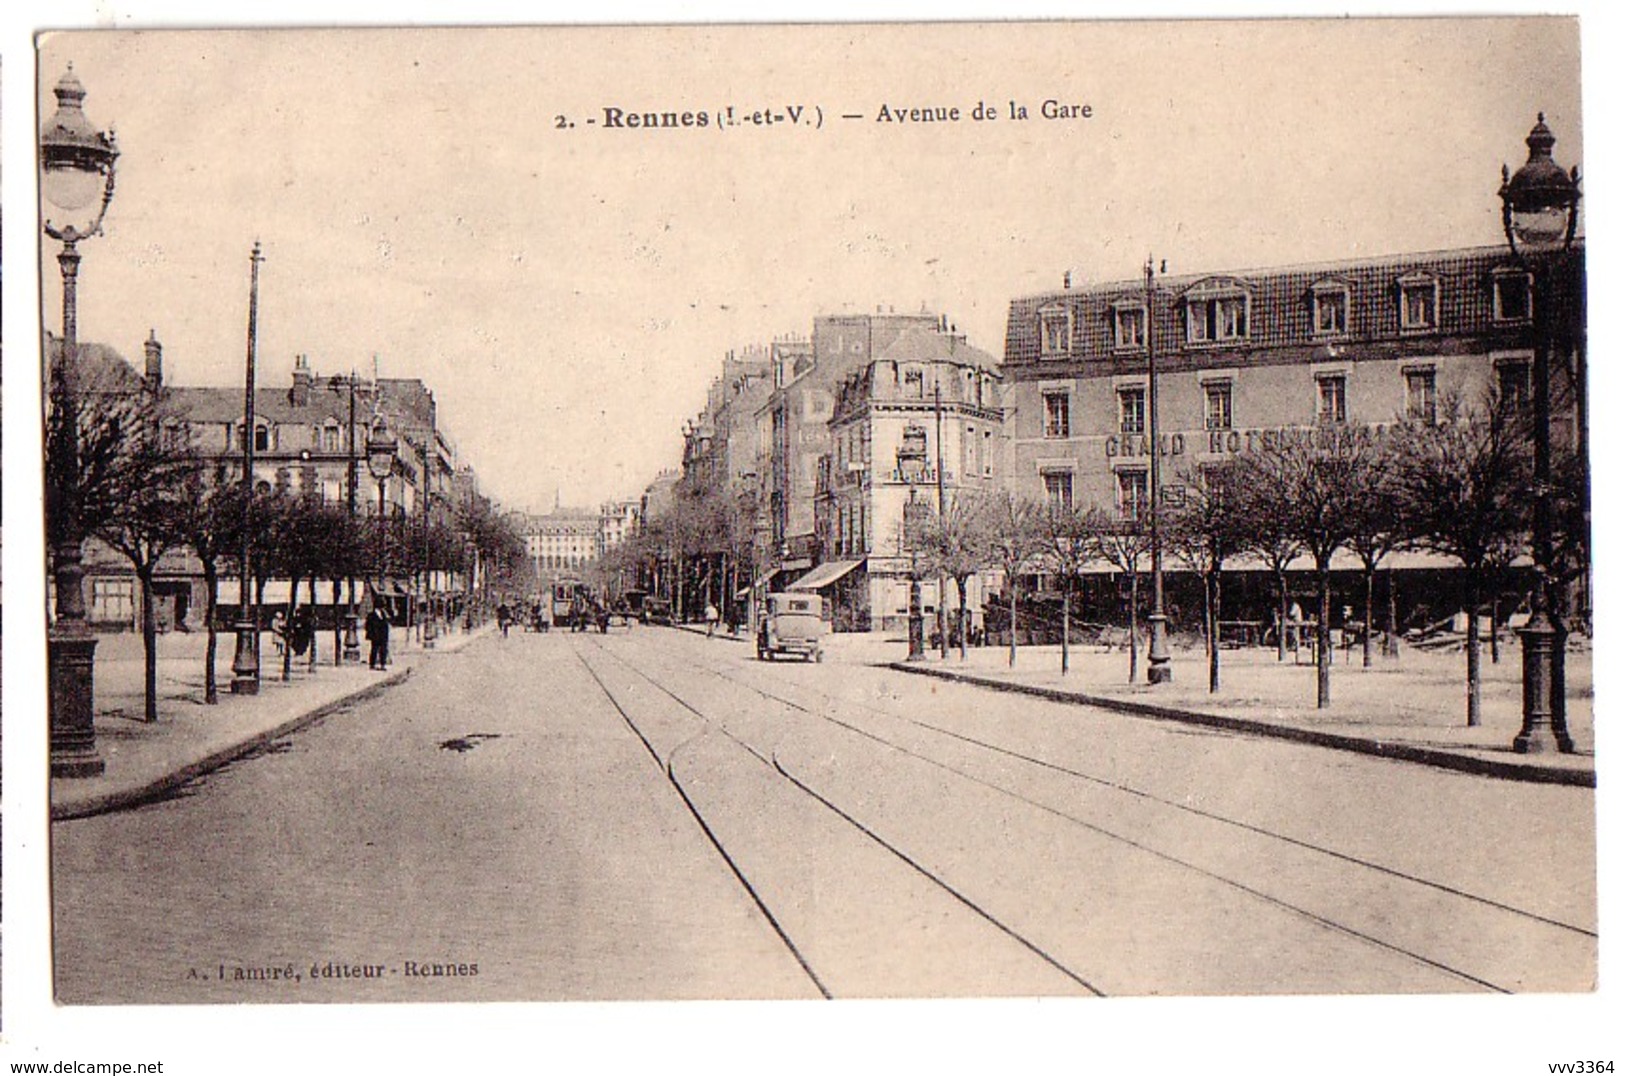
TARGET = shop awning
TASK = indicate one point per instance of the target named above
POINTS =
(276, 591)
(825, 574)
(763, 583)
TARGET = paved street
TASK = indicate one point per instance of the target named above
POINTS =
(655, 815)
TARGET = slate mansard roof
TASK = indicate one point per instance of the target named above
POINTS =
(1281, 307)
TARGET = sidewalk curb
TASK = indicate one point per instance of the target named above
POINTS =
(692, 630)
(119, 799)
(1389, 749)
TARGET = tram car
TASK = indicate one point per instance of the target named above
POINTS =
(567, 596)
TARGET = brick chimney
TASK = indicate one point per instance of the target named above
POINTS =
(299, 395)
(155, 361)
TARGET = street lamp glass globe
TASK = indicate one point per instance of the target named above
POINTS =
(381, 452)
(71, 188)
(1540, 229)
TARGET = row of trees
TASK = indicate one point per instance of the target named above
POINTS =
(1458, 486)
(700, 548)
(136, 483)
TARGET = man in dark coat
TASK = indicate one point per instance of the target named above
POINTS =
(378, 637)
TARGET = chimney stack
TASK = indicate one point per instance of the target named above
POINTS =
(155, 361)
(299, 396)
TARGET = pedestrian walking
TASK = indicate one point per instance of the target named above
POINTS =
(504, 614)
(377, 638)
(710, 620)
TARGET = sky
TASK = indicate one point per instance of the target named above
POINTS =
(568, 293)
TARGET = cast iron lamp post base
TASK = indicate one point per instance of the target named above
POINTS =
(72, 656)
(245, 666)
(916, 623)
(1158, 670)
(1543, 730)
(352, 637)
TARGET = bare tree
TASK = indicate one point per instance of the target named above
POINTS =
(134, 436)
(1205, 528)
(1268, 535)
(306, 539)
(1377, 531)
(1310, 479)
(1011, 536)
(1461, 484)
(212, 526)
(1068, 542)
(1122, 543)
(953, 545)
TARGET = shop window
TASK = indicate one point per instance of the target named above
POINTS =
(112, 601)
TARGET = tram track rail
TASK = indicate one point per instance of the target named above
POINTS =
(667, 766)
(1131, 790)
(1322, 921)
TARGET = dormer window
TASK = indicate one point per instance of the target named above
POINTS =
(1128, 327)
(1418, 303)
(262, 437)
(1510, 290)
(1331, 309)
(1054, 331)
(1216, 313)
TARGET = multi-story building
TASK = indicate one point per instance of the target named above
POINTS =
(720, 446)
(1243, 355)
(794, 421)
(310, 439)
(921, 422)
(617, 521)
(562, 542)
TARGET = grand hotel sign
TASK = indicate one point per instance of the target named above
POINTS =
(1236, 442)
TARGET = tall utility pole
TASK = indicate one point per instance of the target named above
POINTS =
(942, 516)
(352, 640)
(245, 666)
(1158, 670)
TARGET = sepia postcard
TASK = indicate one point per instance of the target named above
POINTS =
(857, 511)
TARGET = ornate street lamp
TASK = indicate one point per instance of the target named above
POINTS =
(382, 449)
(77, 166)
(1158, 668)
(245, 664)
(1539, 211)
(912, 524)
(427, 609)
(352, 640)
